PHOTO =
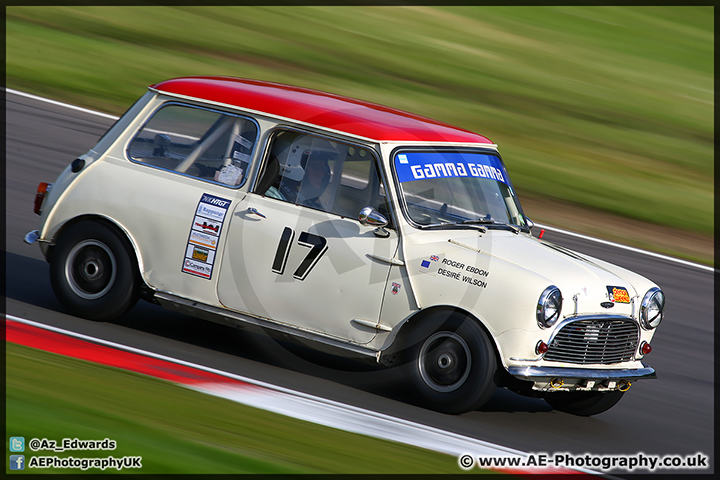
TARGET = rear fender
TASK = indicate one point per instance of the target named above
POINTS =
(100, 219)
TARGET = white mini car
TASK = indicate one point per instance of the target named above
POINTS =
(346, 224)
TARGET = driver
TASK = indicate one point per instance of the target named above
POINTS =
(315, 179)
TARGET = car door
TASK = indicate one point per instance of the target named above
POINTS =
(296, 253)
(187, 164)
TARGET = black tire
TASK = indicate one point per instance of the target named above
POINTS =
(583, 404)
(450, 363)
(93, 271)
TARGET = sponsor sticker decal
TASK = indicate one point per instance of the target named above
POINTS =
(241, 141)
(395, 288)
(412, 166)
(200, 254)
(197, 268)
(231, 174)
(212, 207)
(618, 294)
(203, 239)
(205, 225)
(205, 231)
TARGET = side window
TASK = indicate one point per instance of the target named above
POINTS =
(323, 174)
(202, 143)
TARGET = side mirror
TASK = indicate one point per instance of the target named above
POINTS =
(370, 217)
(530, 223)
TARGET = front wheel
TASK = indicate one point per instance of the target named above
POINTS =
(93, 272)
(450, 363)
(583, 404)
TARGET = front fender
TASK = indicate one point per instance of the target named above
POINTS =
(501, 294)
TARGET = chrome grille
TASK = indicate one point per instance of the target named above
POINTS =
(594, 341)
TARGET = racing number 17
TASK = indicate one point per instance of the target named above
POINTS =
(316, 243)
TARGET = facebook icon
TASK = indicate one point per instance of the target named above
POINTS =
(17, 462)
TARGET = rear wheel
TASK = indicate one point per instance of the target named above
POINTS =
(93, 271)
(583, 404)
(450, 363)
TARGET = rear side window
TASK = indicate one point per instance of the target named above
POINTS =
(197, 142)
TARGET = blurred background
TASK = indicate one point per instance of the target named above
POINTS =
(603, 115)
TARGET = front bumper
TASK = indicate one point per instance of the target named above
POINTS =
(580, 379)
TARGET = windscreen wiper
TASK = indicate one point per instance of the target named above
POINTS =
(482, 221)
(492, 223)
(452, 225)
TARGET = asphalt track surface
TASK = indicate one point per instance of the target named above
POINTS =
(672, 415)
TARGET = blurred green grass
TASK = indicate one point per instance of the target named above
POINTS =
(177, 430)
(610, 108)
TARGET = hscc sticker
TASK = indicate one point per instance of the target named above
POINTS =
(204, 235)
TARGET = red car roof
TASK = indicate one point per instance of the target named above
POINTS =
(327, 110)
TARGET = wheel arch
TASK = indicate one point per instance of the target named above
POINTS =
(108, 222)
(390, 355)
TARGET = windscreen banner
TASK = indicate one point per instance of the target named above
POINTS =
(411, 166)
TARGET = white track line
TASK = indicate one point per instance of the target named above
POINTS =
(625, 247)
(61, 104)
(546, 227)
(322, 411)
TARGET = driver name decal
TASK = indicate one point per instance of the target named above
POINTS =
(452, 269)
(205, 229)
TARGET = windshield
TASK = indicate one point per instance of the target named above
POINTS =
(440, 187)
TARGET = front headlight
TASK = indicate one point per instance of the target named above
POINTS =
(548, 307)
(651, 309)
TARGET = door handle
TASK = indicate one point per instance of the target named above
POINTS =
(254, 211)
